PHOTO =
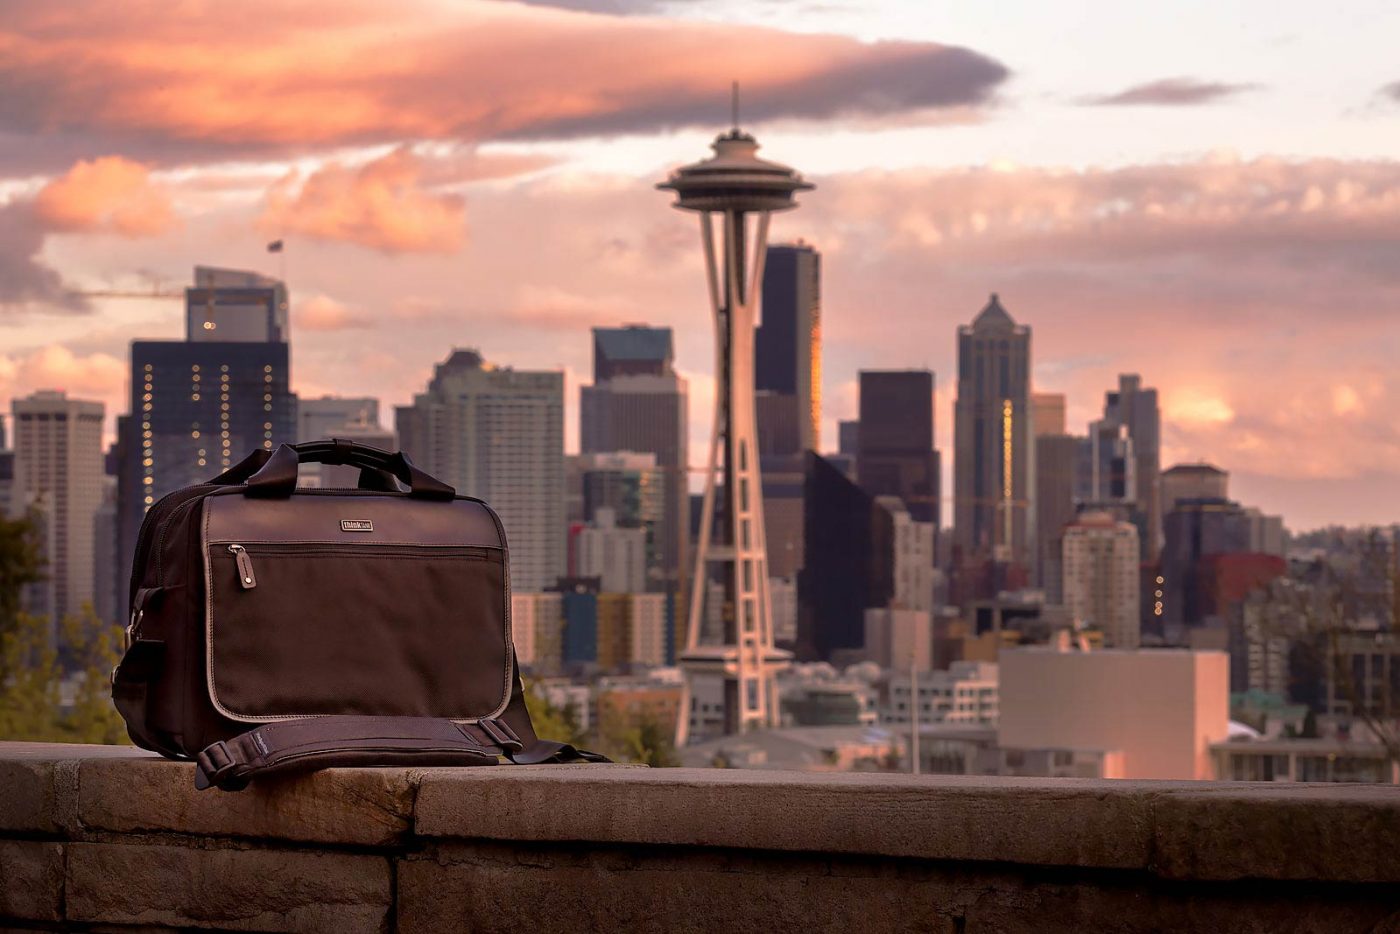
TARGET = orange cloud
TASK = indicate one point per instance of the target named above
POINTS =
(256, 75)
(106, 195)
(381, 204)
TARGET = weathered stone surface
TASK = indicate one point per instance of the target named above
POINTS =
(1070, 823)
(231, 889)
(31, 880)
(490, 888)
(497, 887)
(351, 806)
(1343, 833)
(39, 783)
(109, 839)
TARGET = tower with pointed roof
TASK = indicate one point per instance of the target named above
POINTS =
(994, 455)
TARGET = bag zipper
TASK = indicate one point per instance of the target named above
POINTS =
(248, 580)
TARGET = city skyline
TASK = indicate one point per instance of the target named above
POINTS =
(1107, 209)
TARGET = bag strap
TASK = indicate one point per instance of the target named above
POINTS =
(323, 742)
(320, 742)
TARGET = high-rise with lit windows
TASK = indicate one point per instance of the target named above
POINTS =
(200, 405)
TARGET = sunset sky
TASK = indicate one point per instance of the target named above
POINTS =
(1204, 193)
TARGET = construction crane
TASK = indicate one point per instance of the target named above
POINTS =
(119, 293)
(157, 290)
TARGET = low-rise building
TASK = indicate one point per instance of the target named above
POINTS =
(966, 692)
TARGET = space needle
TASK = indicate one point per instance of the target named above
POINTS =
(729, 633)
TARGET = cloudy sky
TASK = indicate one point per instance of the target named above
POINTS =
(1205, 193)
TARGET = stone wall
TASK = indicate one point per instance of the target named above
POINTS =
(102, 839)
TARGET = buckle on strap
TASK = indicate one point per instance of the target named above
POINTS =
(211, 765)
(501, 734)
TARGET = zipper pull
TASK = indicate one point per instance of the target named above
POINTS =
(245, 566)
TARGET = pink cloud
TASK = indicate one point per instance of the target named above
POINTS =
(323, 313)
(256, 75)
(381, 204)
(97, 376)
(106, 195)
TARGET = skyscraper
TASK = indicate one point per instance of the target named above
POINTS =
(322, 418)
(58, 467)
(498, 433)
(235, 305)
(1101, 584)
(1136, 409)
(849, 562)
(201, 404)
(1193, 481)
(355, 419)
(895, 454)
(1048, 413)
(1197, 529)
(1056, 457)
(788, 351)
(994, 474)
(638, 403)
(632, 350)
(614, 554)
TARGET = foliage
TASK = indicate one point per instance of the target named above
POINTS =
(640, 737)
(551, 722)
(646, 740)
(31, 698)
(21, 563)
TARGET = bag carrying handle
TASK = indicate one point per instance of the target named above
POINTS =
(371, 478)
(278, 476)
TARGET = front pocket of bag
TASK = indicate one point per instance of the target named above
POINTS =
(381, 630)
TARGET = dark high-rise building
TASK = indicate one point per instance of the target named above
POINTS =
(196, 409)
(994, 456)
(202, 404)
(638, 403)
(848, 436)
(1196, 530)
(1135, 408)
(580, 617)
(631, 350)
(848, 561)
(1056, 457)
(787, 352)
(894, 453)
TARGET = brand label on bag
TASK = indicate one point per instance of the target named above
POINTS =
(356, 525)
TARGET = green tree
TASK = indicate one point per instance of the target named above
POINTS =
(551, 722)
(31, 696)
(29, 692)
(97, 646)
(21, 563)
(638, 737)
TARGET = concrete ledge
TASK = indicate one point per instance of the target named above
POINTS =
(100, 836)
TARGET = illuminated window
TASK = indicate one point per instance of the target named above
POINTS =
(208, 325)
